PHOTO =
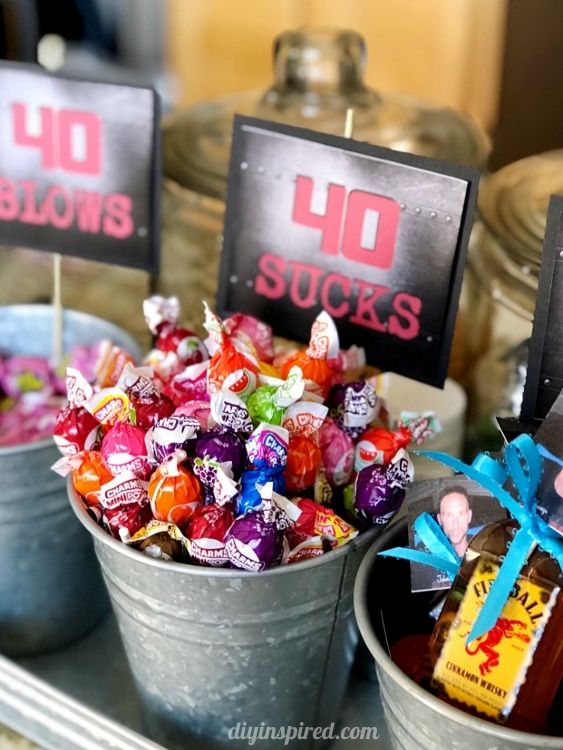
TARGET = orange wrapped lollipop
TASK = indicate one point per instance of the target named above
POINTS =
(89, 476)
(303, 420)
(229, 368)
(175, 492)
(314, 361)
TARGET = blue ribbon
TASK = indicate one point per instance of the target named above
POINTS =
(523, 466)
(442, 553)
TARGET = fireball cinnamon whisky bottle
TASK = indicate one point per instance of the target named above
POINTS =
(510, 674)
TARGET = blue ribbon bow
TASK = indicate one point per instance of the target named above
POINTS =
(523, 465)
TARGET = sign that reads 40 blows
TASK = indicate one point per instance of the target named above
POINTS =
(78, 167)
(375, 237)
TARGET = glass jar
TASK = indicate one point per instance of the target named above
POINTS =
(318, 75)
(500, 287)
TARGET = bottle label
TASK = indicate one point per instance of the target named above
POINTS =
(487, 673)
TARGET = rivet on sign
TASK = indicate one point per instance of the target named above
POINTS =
(433, 215)
(260, 170)
(418, 210)
(448, 219)
(233, 279)
(244, 165)
(142, 231)
(547, 381)
(402, 206)
(249, 283)
(430, 339)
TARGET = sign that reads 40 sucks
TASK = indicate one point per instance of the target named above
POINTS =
(375, 237)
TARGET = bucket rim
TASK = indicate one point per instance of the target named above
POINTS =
(101, 536)
(31, 309)
(385, 663)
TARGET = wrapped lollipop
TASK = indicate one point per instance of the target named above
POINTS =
(316, 520)
(89, 474)
(379, 491)
(353, 406)
(189, 384)
(314, 362)
(174, 491)
(162, 541)
(172, 433)
(76, 430)
(303, 421)
(221, 446)
(200, 410)
(337, 453)
(230, 412)
(207, 533)
(230, 368)
(255, 541)
(162, 315)
(269, 402)
(124, 449)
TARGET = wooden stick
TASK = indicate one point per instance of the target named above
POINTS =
(349, 124)
(57, 353)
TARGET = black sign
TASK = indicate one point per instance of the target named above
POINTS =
(375, 237)
(79, 167)
(544, 379)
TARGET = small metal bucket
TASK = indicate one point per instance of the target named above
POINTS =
(216, 649)
(415, 718)
(51, 591)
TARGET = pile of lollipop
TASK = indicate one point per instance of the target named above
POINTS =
(222, 453)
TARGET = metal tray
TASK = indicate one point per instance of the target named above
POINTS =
(83, 698)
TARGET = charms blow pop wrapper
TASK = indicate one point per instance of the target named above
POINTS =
(269, 402)
(229, 368)
(379, 491)
(76, 430)
(162, 541)
(229, 411)
(90, 475)
(303, 421)
(174, 491)
(170, 434)
(253, 334)
(267, 446)
(254, 541)
(378, 446)
(337, 453)
(207, 531)
(251, 481)
(222, 447)
(124, 449)
(125, 520)
(353, 406)
(190, 384)
(162, 315)
(313, 362)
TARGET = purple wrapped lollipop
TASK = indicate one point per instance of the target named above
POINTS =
(380, 490)
(353, 406)
(254, 541)
(170, 434)
(222, 446)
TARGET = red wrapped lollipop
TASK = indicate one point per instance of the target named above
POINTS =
(207, 531)
(162, 315)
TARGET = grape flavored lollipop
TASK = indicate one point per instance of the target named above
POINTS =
(255, 541)
(379, 491)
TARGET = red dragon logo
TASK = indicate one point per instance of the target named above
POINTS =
(503, 628)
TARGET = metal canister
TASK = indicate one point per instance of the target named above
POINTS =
(212, 648)
(500, 287)
(51, 591)
(416, 719)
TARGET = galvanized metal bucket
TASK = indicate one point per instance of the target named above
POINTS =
(51, 591)
(415, 718)
(214, 651)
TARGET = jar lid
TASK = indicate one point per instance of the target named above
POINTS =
(513, 208)
(318, 75)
